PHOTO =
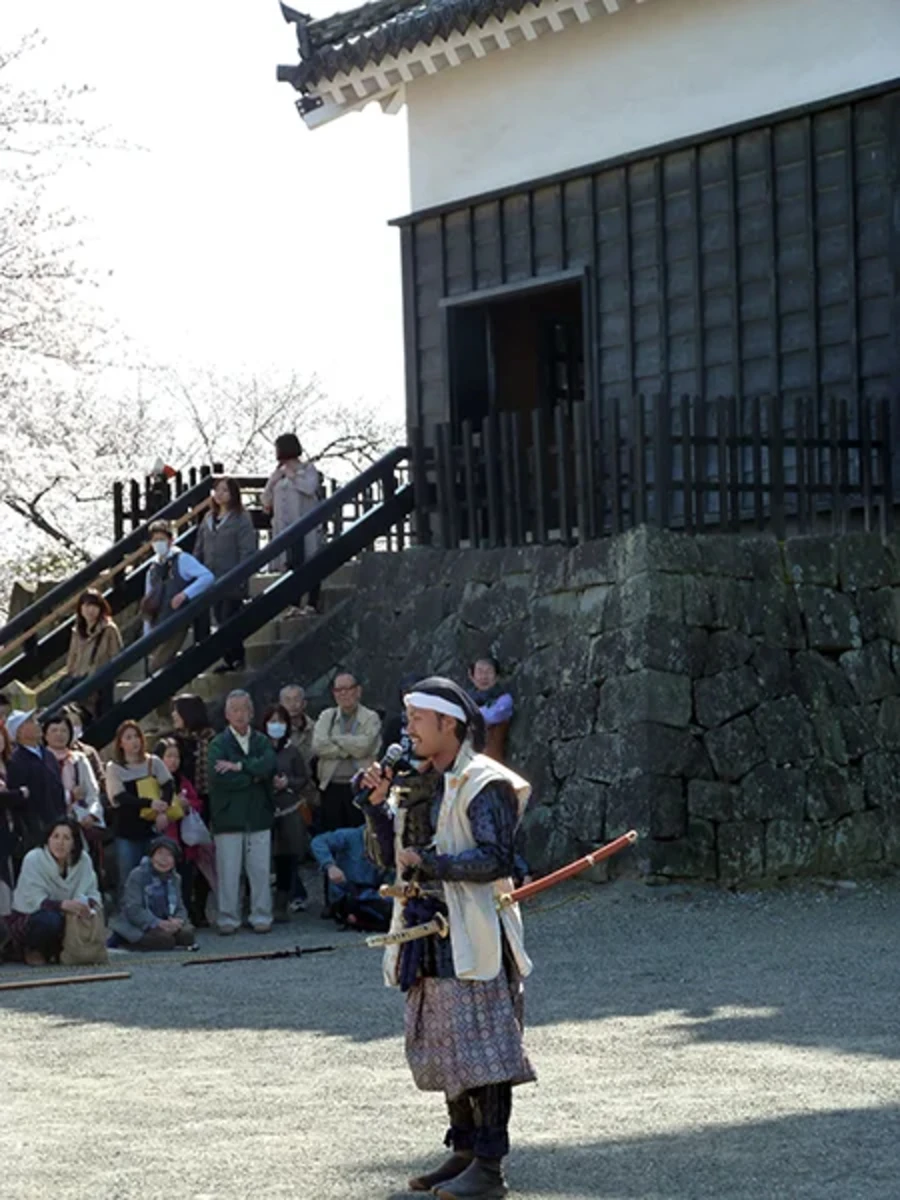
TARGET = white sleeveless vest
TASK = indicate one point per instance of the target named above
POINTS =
(475, 923)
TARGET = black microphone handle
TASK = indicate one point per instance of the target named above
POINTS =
(392, 756)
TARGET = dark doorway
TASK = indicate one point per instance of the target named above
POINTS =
(516, 353)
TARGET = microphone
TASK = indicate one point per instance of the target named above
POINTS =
(393, 756)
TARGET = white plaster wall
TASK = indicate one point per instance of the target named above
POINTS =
(645, 75)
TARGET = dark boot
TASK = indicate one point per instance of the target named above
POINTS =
(280, 911)
(481, 1180)
(455, 1165)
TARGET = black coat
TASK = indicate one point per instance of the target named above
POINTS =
(46, 797)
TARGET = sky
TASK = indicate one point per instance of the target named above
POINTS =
(235, 237)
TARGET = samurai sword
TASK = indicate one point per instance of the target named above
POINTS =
(290, 952)
(571, 869)
(409, 891)
(375, 941)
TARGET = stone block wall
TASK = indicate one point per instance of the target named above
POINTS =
(735, 699)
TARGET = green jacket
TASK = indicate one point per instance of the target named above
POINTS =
(242, 801)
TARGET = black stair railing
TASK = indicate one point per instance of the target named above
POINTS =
(374, 522)
(38, 651)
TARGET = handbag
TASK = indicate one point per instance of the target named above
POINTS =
(193, 829)
(84, 941)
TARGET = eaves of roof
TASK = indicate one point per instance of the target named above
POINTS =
(373, 32)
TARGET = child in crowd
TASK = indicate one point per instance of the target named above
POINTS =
(169, 751)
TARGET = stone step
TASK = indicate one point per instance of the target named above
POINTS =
(261, 654)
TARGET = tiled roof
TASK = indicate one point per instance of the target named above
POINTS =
(375, 31)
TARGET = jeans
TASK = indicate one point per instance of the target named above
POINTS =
(251, 853)
(129, 852)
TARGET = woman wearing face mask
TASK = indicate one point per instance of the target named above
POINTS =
(290, 839)
(293, 490)
(226, 538)
(95, 641)
(56, 879)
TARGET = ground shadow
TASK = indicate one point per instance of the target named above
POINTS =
(783, 969)
(850, 1154)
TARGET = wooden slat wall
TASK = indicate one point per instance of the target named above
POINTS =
(761, 262)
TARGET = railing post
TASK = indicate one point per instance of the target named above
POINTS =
(538, 442)
(687, 465)
(489, 443)
(581, 449)
(135, 514)
(473, 511)
(614, 450)
(776, 464)
(424, 534)
(506, 480)
(447, 488)
(638, 468)
(118, 511)
(663, 465)
(887, 473)
(563, 474)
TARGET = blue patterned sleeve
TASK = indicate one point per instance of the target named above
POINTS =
(493, 816)
(380, 826)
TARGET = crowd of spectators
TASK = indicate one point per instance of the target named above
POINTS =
(195, 828)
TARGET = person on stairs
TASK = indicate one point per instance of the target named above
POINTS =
(292, 491)
(226, 538)
(174, 577)
(95, 641)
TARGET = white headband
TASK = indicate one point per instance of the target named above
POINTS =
(436, 704)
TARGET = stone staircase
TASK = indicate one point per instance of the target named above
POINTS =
(261, 647)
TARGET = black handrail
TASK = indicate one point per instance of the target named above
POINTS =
(76, 583)
(287, 590)
(232, 582)
(40, 651)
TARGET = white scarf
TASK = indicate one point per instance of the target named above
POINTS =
(40, 880)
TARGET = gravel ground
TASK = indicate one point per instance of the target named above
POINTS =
(691, 1045)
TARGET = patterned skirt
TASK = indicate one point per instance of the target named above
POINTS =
(463, 1034)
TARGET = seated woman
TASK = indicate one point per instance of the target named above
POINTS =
(152, 915)
(56, 878)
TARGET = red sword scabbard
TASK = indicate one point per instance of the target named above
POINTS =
(574, 868)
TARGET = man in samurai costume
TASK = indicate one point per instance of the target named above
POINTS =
(448, 829)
